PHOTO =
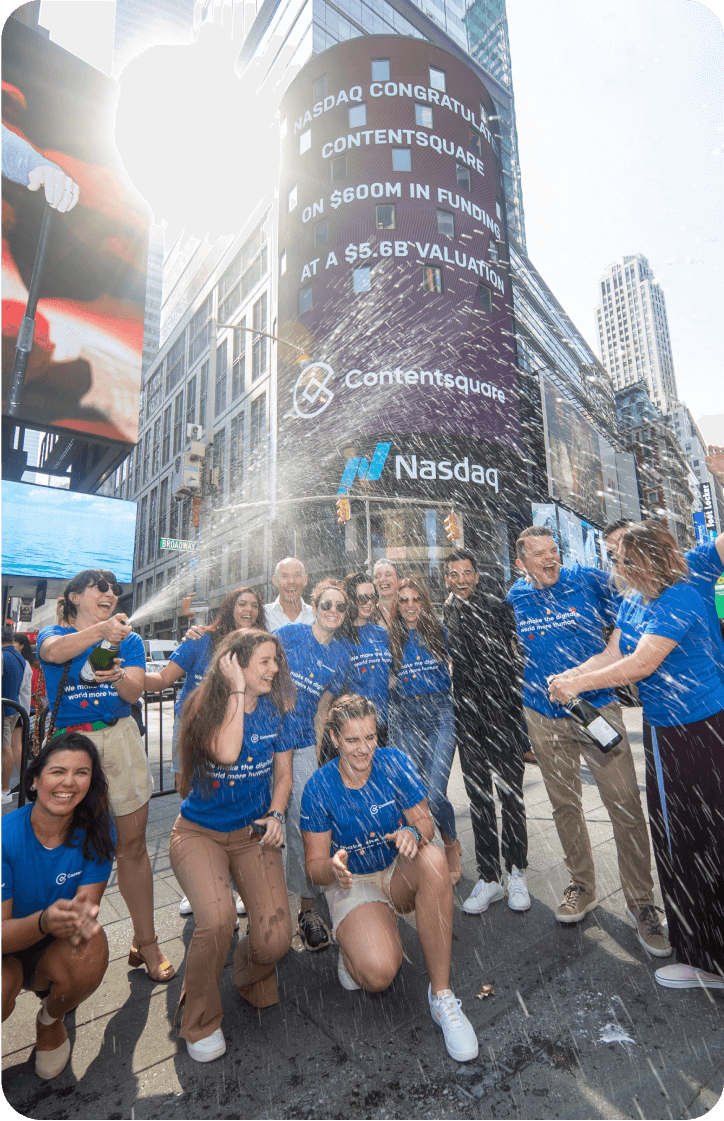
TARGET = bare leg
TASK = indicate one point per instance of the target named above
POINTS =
(12, 984)
(424, 885)
(72, 973)
(371, 944)
(135, 881)
(453, 853)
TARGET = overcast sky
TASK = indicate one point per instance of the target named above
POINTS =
(620, 117)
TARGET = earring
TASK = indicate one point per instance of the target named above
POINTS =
(32, 788)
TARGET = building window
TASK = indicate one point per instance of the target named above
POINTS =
(485, 297)
(305, 299)
(499, 212)
(156, 462)
(361, 279)
(380, 69)
(432, 279)
(283, 263)
(203, 391)
(175, 366)
(475, 142)
(493, 250)
(162, 508)
(401, 159)
(238, 368)
(423, 116)
(166, 442)
(358, 115)
(235, 450)
(220, 459)
(483, 114)
(292, 199)
(257, 431)
(305, 141)
(190, 401)
(220, 388)
(142, 531)
(146, 455)
(258, 346)
(386, 216)
(152, 514)
(437, 79)
(338, 168)
(178, 423)
(319, 88)
(154, 387)
(463, 176)
(321, 233)
(445, 223)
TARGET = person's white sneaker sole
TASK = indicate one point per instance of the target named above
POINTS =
(522, 905)
(206, 1050)
(707, 981)
(580, 916)
(478, 905)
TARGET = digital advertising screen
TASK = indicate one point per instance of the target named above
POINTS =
(49, 533)
(84, 372)
(393, 278)
(574, 466)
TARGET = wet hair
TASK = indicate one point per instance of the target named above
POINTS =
(324, 586)
(350, 584)
(428, 627)
(460, 555)
(531, 531)
(350, 706)
(225, 623)
(657, 552)
(91, 823)
(622, 523)
(66, 610)
(205, 708)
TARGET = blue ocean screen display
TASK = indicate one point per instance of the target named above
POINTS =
(53, 534)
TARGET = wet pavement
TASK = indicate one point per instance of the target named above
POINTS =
(576, 1028)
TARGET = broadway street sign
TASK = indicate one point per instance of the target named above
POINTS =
(179, 546)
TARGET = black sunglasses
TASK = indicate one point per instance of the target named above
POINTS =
(340, 608)
(363, 597)
(103, 586)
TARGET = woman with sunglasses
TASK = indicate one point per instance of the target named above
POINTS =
(319, 664)
(236, 777)
(421, 708)
(98, 704)
(662, 641)
(367, 833)
(368, 647)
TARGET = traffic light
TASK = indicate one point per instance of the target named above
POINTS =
(452, 528)
(343, 511)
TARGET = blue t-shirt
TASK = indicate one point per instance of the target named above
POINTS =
(359, 819)
(369, 669)
(33, 876)
(420, 671)
(238, 794)
(193, 656)
(705, 568)
(686, 686)
(315, 669)
(561, 627)
(13, 673)
(82, 704)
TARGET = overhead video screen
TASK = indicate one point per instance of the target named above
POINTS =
(53, 534)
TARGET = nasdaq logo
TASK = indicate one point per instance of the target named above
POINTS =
(358, 467)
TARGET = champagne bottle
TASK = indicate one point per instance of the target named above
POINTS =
(603, 734)
(101, 658)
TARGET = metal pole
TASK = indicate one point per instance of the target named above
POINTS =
(24, 344)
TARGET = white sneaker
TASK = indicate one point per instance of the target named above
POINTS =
(460, 1039)
(205, 1050)
(184, 907)
(682, 976)
(240, 908)
(518, 897)
(345, 977)
(7, 797)
(482, 895)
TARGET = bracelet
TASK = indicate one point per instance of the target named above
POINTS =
(40, 921)
(277, 815)
(122, 677)
(417, 834)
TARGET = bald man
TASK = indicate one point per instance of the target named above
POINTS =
(290, 578)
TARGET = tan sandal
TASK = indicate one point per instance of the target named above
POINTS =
(163, 973)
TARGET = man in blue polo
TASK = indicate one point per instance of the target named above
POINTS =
(560, 614)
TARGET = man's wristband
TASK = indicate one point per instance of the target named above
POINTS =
(416, 833)
(40, 921)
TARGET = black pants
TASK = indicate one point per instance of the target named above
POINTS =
(491, 748)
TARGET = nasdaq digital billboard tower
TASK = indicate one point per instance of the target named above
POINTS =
(394, 286)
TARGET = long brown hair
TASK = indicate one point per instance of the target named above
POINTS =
(225, 623)
(657, 555)
(428, 626)
(205, 708)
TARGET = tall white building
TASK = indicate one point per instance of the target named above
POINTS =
(633, 330)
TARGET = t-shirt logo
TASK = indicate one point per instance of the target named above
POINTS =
(63, 876)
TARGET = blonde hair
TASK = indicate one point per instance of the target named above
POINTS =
(658, 556)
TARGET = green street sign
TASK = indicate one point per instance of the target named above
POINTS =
(178, 546)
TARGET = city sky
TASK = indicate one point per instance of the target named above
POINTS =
(621, 130)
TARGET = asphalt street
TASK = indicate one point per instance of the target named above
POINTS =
(576, 1027)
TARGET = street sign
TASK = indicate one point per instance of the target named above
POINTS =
(179, 546)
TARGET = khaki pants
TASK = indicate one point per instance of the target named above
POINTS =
(558, 746)
(202, 860)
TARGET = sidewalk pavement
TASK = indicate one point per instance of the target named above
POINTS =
(576, 1028)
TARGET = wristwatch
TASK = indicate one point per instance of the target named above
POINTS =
(279, 816)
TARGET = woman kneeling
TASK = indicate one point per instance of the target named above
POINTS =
(235, 738)
(368, 808)
(57, 854)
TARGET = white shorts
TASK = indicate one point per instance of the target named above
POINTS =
(368, 887)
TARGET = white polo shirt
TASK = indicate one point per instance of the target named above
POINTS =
(276, 617)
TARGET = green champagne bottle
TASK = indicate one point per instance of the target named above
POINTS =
(101, 658)
(603, 734)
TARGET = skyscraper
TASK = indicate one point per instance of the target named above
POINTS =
(633, 330)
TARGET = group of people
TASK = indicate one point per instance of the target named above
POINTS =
(330, 727)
